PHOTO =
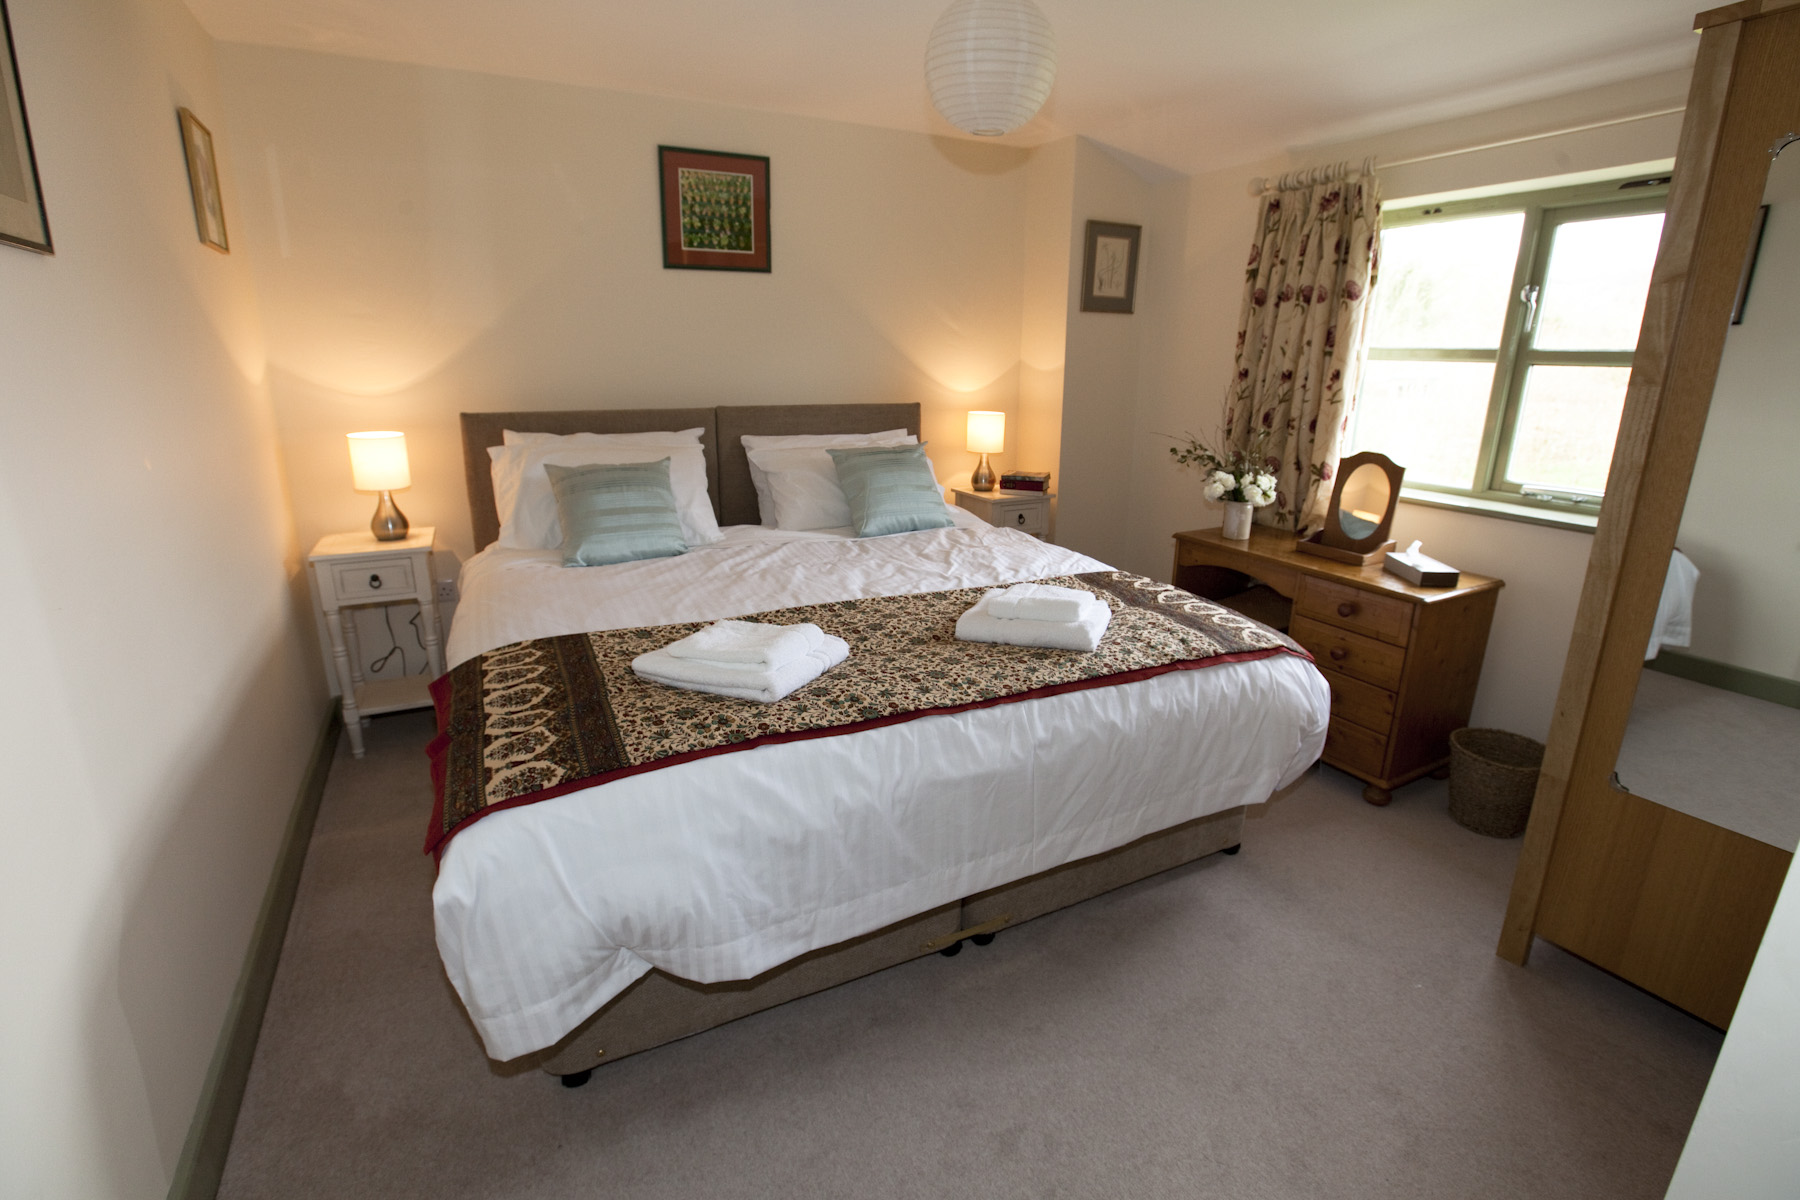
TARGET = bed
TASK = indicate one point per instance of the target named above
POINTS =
(615, 918)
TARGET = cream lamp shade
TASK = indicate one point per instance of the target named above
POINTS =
(378, 464)
(989, 64)
(987, 432)
(378, 461)
(987, 435)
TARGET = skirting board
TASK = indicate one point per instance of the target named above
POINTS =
(1741, 680)
(202, 1163)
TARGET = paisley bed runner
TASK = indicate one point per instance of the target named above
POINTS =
(540, 718)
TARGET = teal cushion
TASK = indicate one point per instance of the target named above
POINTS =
(614, 514)
(890, 489)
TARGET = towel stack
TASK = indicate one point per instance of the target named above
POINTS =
(745, 660)
(1037, 614)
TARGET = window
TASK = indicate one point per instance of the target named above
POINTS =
(1501, 336)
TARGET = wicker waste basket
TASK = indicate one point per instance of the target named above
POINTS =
(1493, 774)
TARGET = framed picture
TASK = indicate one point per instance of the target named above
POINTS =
(22, 218)
(1749, 272)
(203, 180)
(715, 210)
(1109, 267)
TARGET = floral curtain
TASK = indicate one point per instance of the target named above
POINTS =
(1300, 335)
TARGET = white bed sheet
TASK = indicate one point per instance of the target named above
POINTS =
(724, 867)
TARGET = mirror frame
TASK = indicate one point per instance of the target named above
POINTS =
(1333, 534)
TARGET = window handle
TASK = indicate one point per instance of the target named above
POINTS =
(1528, 295)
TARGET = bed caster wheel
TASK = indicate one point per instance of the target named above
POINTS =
(1232, 849)
(952, 950)
(576, 1079)
(982, 939)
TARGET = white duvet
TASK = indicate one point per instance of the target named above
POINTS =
(724, 867)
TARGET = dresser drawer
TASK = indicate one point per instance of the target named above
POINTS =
(1352, 653)
(1369, 613)
(1355, 749)
(372, 578)
(1360, 703)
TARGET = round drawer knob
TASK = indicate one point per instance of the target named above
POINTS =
(375, 583)
(1019, 518)
(1339, 653)
(1346, 609)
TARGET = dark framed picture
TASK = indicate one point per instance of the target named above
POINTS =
(1109, 267)
(23, 221)
(715, 210)
(1749, 272)
(203, 180)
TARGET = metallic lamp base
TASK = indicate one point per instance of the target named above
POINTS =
(389, 524)
(983, 479)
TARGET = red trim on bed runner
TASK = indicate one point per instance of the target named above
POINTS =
(437, 836)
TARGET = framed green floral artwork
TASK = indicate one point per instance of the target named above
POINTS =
(715, 210)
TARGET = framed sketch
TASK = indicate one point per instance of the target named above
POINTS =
(1749, 271)
(715, 210)
(203, 180)
(1109, 262)
(22, 218)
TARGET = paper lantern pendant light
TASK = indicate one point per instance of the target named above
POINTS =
(989, 64)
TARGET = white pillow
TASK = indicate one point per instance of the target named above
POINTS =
(810, 500)
(527, 505)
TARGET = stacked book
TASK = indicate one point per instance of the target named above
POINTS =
(1025, 481)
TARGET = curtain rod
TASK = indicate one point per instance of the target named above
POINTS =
(1261, 184)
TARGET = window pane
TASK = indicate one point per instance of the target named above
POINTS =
(1443, 286)
(1426, 416)
(1568, 420)
(1594, 288)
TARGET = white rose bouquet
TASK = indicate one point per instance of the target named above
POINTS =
(1240, 475)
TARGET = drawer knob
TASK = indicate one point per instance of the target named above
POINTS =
(1346, 609)
(374, 583)
(1339, 653)
(1019, 518)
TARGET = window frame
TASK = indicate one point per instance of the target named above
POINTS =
(1544, 210)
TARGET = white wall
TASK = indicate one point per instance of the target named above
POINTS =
(1186, 371)
(1742, 522)
(159, 699)
(1044, 309)
(428, 241)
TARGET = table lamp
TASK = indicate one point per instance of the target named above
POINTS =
(378, 464)
(987, 435)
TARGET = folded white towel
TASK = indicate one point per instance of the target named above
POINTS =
(740, 680)
(749, 642)
(1041, 602)
(980, 625)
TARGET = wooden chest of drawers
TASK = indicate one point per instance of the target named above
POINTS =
(1402, 661)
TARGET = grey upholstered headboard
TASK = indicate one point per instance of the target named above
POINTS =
(727, 470)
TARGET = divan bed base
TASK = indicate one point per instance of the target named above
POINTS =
(661, 1008)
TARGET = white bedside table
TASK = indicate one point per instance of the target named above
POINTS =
(353, 569)
(1028, 512)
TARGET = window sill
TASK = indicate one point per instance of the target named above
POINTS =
(1526, 513)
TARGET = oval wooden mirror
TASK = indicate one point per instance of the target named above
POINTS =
(1362, 503)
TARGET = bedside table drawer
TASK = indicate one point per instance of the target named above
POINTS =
(1351, 608)
(1024, 518)
(373, 578)
(1355, 749)
(1352, 653)
(1360, 703)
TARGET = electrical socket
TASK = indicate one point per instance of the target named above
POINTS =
(446, 591)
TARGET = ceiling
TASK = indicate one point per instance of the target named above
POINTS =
(1189, 84)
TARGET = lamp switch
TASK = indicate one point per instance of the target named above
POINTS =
(446, 591)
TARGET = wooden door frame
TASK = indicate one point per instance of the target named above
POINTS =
(1742, 98)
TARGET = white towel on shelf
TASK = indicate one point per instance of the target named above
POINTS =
(1039, 602)
(1675, 610)
(979, 624)
(750, 642)
(742, 681)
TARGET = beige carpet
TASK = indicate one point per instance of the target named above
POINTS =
(1320, 1016)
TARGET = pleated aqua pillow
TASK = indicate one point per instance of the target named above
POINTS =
(616, 513)
(890, 489)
